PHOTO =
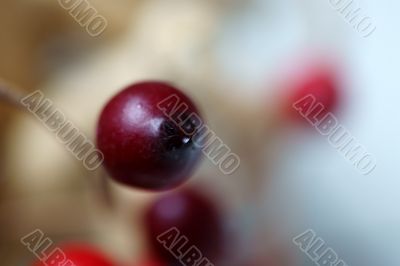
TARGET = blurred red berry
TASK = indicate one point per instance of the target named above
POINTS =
(79, 255)
(194, 216)
(319, 81)
(142, 146)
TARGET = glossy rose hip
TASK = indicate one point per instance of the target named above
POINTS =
(143, 142)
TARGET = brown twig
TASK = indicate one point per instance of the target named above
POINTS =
(10, 93)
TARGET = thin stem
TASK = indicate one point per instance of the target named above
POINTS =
(10, 93)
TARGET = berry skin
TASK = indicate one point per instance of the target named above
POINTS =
(142, 146)
(80, 255)
(321, 82)
(195, 217)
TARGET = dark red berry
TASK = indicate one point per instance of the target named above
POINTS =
(79, 255)
(194, 216)
(143, 142)
(321, 82)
